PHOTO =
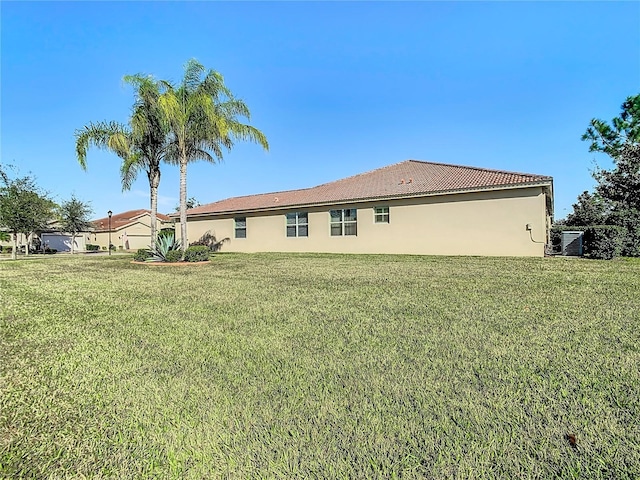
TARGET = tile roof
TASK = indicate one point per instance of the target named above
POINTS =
(411, 178)
(120, 220)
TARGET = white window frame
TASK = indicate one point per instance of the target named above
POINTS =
(380, 213)
(345, 225)
(301, 219)
(237, 228)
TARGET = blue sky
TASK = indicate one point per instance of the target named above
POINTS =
(338, 88)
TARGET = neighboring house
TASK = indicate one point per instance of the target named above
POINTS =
(51, 237)
(129, 230)
(411, 207)
(56, 239)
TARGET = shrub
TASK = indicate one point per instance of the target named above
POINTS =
(141, 255)
(8, 249)
(166, 232)
(173, 256)
(603, 241)
(50, 250)
(112, 247)
(164, 245)
(210, 241)
(92, 248)
(196, 253)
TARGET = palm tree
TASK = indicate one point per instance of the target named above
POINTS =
(202, 117)
(141, 145)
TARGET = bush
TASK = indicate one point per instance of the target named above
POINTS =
(141, 255)
(197, 253)
(92, 248)
(112, 247)
(51, 251)
(166, 232)
(603, 241)
(629, 219)
(8, 249)
(173, 256)
(165, 244)
(210, 241)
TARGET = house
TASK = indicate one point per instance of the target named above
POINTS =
(129, 230)
(411, 207)
(54, 238)
(49, 237)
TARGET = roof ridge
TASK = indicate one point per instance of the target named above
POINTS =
(308, 188)
(252, 195)
(493, 170)
(368, 172)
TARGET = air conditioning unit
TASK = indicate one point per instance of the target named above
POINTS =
(571, 243)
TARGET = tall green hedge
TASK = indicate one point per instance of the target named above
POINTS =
(604, 241)
(600, 241)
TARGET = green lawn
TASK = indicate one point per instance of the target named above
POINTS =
(320, 366)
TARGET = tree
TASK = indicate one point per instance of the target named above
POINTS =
(141, 145)
(621, 142)
(74, 217)
(202, 117)
(588, 210)
(192, 202)
(620, 186)
(24, 208)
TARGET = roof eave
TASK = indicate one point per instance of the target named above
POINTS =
(541, 183)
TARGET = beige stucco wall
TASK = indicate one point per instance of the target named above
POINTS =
(479, 223)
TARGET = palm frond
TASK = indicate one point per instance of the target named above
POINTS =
(193, 71)
(97, 135)
(130, 169)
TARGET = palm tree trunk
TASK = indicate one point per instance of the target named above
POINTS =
(14, 251)
(26, 247)
(183, 203)
(154, 182)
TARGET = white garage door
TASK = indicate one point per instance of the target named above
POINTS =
(62, 242)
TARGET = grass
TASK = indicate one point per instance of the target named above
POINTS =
(320, 366)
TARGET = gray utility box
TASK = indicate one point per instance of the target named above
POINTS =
(572, 243)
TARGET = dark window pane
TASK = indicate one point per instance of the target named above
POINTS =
(350, 214)
(241, 233)
(302, 231)
(350, 229)
(336, 229)
(302, 217)
(291, 218)
(291, 231)
(336, 215)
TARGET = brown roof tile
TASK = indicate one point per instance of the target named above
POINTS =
(120, 220)
(410, 178)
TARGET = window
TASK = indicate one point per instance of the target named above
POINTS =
(381, 214)
(241, 227)
(297, 224)
(344, 222)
